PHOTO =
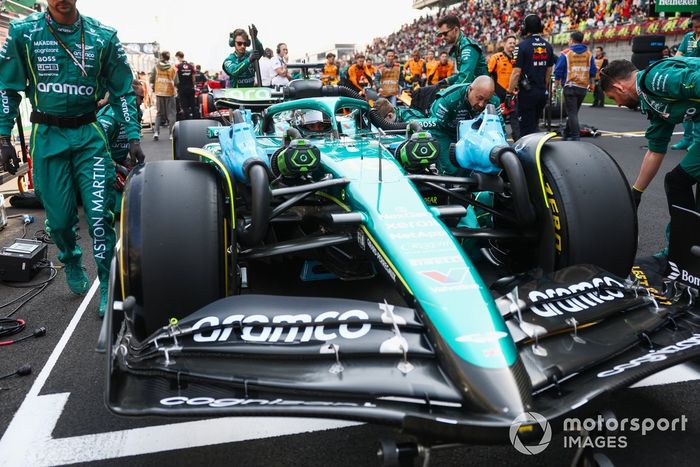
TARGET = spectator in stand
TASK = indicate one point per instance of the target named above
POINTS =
(601, 61)
(266, 71)
(500, 68)
(389, 77)
(185, 86)
(575, 73)
(240, 65)
(163, 82)
(414, 69)
(445, 67)
(281, 75)
(689, 48)
(330, 70)
(467, 53)
(358, 76)
(431, 76)
(532, 71)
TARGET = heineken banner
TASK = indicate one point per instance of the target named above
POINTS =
(677, 5)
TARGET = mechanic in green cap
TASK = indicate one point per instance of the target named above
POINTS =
(65, 62)
(240, 65)
(689, 48)
(456, 103)
(668, 93)
(467, 53)
(119, 142)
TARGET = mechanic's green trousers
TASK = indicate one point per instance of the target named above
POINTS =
(691, 160)
(68, 161)
(688, 127)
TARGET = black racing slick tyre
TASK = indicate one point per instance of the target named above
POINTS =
(172, 258)
(190, 134)
(591, 206)
(648, 43)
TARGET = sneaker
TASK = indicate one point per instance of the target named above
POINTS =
(104, 293)
(76, 278)
(155, 136)
(681, 145)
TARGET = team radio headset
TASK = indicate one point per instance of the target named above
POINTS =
(232, 39)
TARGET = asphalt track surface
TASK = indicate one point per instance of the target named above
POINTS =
(57, 416)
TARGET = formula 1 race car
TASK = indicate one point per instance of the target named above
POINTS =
(515, 294)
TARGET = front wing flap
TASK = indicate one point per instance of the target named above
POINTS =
(389, 375)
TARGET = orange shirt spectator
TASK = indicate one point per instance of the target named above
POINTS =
(445, 67)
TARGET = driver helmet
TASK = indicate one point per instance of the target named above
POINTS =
(313, 122)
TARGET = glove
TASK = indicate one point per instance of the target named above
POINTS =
(136, 153)
(636, 196)
(253, 30)
(254, 56)
(8, 155)
(442, 83)
(509, 101)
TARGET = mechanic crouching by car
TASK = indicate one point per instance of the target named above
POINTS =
(119, 142)
(668, 93)
(240, 65)
(456, 103)
(69, 150)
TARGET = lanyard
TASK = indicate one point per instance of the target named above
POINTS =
(80, 64)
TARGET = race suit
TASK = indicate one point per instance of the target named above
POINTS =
(69, 158)
(241, 69)
(451, 107)
(470, 61)
(669, 93)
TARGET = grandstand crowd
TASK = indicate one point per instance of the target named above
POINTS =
(490, 21)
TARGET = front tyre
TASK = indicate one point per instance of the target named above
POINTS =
(173, 242)
(591, 206)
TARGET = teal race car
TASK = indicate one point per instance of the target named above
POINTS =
(514, 291)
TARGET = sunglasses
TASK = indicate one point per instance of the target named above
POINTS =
(240, 43)
(444, 33)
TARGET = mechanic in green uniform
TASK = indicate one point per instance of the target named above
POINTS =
(119, 141)
(668, 93)
(456, 103)
(240, 65)
(65, 62)
(467, 53)
(689, 48)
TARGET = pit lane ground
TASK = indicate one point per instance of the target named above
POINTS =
(56, 415)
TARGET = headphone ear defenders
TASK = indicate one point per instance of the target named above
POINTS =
(232, 37)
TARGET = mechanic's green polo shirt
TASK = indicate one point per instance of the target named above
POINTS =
(32, 60)
(689, 45)
(470, 61)
(668, 91)
(452, 106)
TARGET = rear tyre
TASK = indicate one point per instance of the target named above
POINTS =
(594, 216)
(190, 134)
(173, 251)
(643, 60)
(648, 43)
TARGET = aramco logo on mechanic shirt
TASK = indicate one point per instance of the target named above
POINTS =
(65, 88)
